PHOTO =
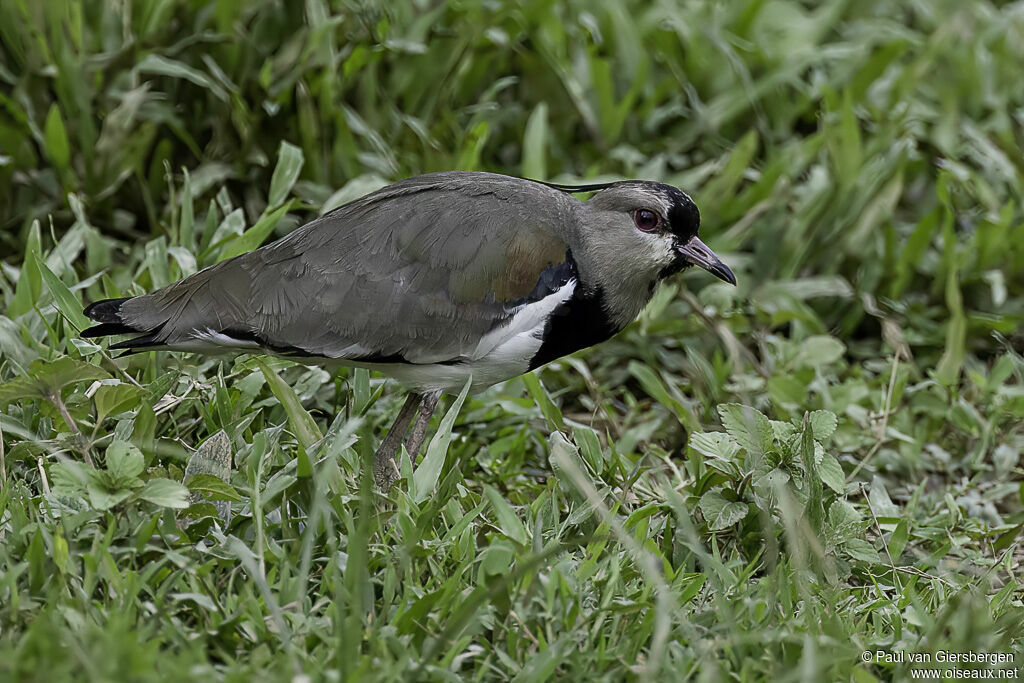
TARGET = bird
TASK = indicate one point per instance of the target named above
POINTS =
(438, 281)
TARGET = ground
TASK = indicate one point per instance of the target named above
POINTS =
(813, 476)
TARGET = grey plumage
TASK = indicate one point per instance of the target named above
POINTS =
(418, 269)
(435, 280)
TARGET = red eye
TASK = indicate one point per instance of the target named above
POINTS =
(646, 220)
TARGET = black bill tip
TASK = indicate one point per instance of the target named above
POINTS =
(722, 272)
(694, 252)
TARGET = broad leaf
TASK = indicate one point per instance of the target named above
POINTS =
(820, 350)
(859, 549)
(113, 399)
(749, 427)
(718, 445)
(124, 463)
(46, 378)
(831, 473)
(721, 513)
(213, 488)
(823, 422)
(165, 493)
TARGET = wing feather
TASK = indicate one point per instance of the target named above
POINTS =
(421, 270)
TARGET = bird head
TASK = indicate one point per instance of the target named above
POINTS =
(630, 235)
(653, 227)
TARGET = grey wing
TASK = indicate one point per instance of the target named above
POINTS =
(418, 272)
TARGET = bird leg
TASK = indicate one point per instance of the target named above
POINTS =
(419, 427)
(385, 461)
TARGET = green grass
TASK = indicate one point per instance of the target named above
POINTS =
(747, 484)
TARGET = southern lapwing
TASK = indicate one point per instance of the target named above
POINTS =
(435, 280)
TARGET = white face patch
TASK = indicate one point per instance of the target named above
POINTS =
(661, 249)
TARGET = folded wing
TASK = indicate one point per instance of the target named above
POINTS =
(418, 272)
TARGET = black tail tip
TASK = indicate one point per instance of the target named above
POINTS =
(105, 311)
(106, 329)
(108, 314)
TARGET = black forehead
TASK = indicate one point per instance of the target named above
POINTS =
(683, 215)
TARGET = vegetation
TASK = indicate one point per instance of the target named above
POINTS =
(747, 484)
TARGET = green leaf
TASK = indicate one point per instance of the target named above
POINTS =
(879, 499)
(654, 387)
(103, 496)
(18, 389)
(508, 521)
(819, 351)
(589, 447)
(844, 522)
(198, 511)
(230, 228)
(163, 66)
(70, 478)
(808, 455)
(859, 549)
(112, 399)
(67, 303)
(952, 362)
(424, 479)
(203, 601)
(787, 389)
(60, 553)
(354, 189)
(913, 252)
(749, 427)
(542, 665)
(561, 450)
(254, 236)
(717, 445)
(831, 473)
(213, 458)
(898, 540)
(156, 261)
(45, 379)
(30, 282)
(56, 137)
(535, 143)
(823, 423)
(540, 395)
(289, 164)
(213, 488)
(302, 424)
(164, 492)
(497, 558)
(187, 219)
(124, 463)
(719, 512)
